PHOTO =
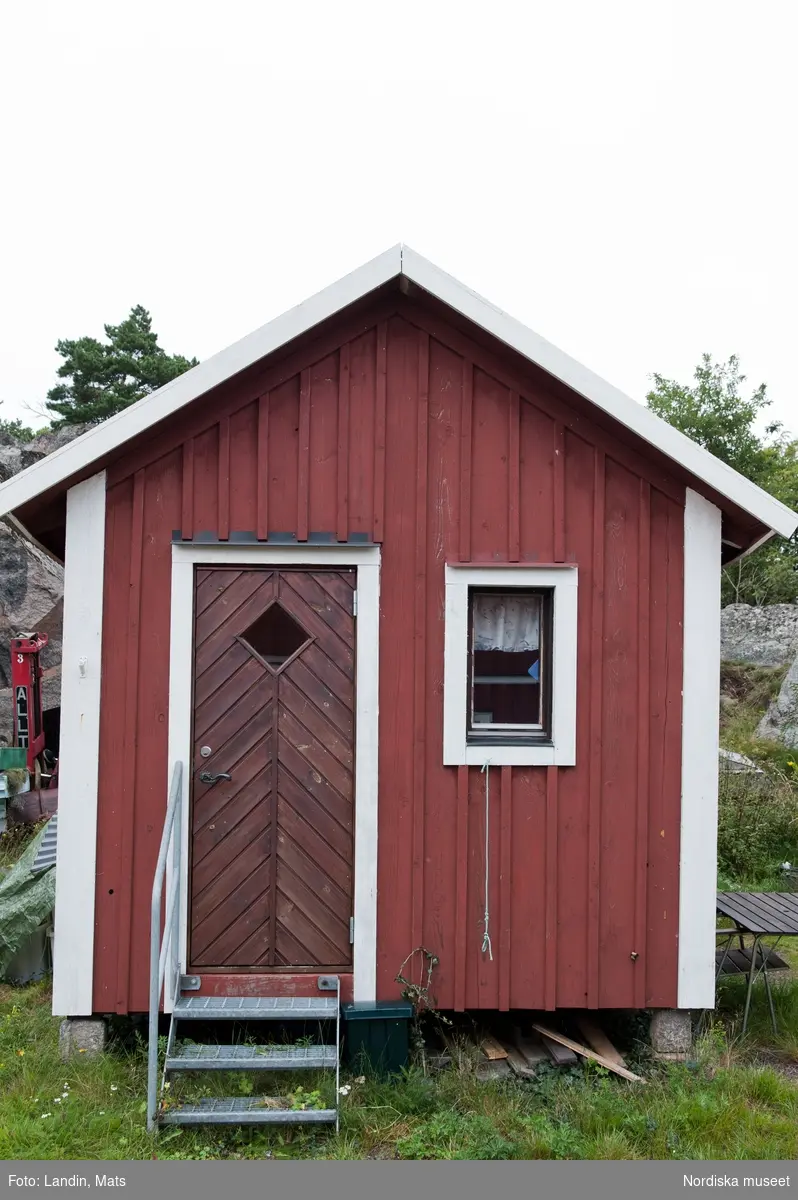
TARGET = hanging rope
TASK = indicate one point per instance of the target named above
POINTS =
(486, 946)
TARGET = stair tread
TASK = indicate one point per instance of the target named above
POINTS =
(264, 1058)
(243, 1110)
(255, 1008)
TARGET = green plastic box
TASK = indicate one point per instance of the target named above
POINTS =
(13, 758)
(376, 1035)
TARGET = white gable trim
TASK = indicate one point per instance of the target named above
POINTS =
(400, 260)
(700, 718)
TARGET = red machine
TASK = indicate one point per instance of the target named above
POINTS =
(26, 676)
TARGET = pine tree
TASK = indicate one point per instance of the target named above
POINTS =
(105, 377)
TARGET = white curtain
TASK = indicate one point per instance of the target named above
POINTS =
(503, 621)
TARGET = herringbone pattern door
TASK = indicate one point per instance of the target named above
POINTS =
(272, 846)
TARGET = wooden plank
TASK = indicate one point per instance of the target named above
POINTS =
(586, 1053)
(597, 1040)
(187, 486)
(531, 1047)
(322, 463)
(342, 460)
(465, 461)
(552, 784)
(125, 885)
(224, 479)
(380, 421)
(514, 489)
(492, 1048)
(596, 694)
(222, 983)
(283, 456)
(644, 710)
(420, 649)
(505, 886)
(461, 889)
(303, 462)
(666, 593)
(559, 492)
(262, 499)
(518, 1064)
(619, 680)
(558, 1054)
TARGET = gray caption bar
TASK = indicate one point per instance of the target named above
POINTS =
(396, 1180)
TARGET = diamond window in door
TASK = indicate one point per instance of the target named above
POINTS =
(275, 637)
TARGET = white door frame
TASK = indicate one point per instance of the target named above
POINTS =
(366, 560)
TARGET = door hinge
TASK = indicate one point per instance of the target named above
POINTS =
(351, 931)
(354, 604)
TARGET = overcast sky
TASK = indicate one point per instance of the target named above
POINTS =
(621, 176)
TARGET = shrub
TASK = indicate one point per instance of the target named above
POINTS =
(757, 824)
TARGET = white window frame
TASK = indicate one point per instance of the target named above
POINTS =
(561, 750)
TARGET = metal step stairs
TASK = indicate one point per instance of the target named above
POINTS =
(323, 1008)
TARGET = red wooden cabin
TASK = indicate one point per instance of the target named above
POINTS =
(401, 570)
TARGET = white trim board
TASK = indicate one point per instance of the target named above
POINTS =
(78, 764)
(564, 582)
(700, 723)
(400, 260)
(366, 559)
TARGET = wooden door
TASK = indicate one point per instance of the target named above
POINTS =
(272, 847)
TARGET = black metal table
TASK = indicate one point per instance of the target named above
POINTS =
(758, 915)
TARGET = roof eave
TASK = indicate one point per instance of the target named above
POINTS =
(102, 440)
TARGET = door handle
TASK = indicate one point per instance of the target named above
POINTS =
(206, 777)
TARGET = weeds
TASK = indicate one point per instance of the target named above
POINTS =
(719, 1107)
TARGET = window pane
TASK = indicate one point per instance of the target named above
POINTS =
(506, 659)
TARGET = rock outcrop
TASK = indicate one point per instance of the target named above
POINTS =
(31, 581)
(780, 722)
(763, 637)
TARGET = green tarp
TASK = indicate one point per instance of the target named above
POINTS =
(26, 902)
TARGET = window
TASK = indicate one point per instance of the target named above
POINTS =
(510, 665)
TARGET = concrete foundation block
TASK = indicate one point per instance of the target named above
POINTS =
(81, 1035)
(672, 1034)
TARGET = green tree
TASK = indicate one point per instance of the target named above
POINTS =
(716, 412)
(16, 430)
(102, 378)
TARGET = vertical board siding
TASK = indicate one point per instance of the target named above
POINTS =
(665, 741)
(537, 485)
(342, 455)
(323, 445)
(262, 470)
(161, 511)
(130, 759)
(619, 737)
(442, 820)
(489, 475)
(118, 547)
(574, 911)
(397, 632)
(284, 457)
(363, 432)
(407, 438)
(420, 639)
(243, 469)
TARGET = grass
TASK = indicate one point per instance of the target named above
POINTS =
(15, 841)
(725, 1105)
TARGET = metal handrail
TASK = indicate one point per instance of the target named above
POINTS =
(159, 950)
